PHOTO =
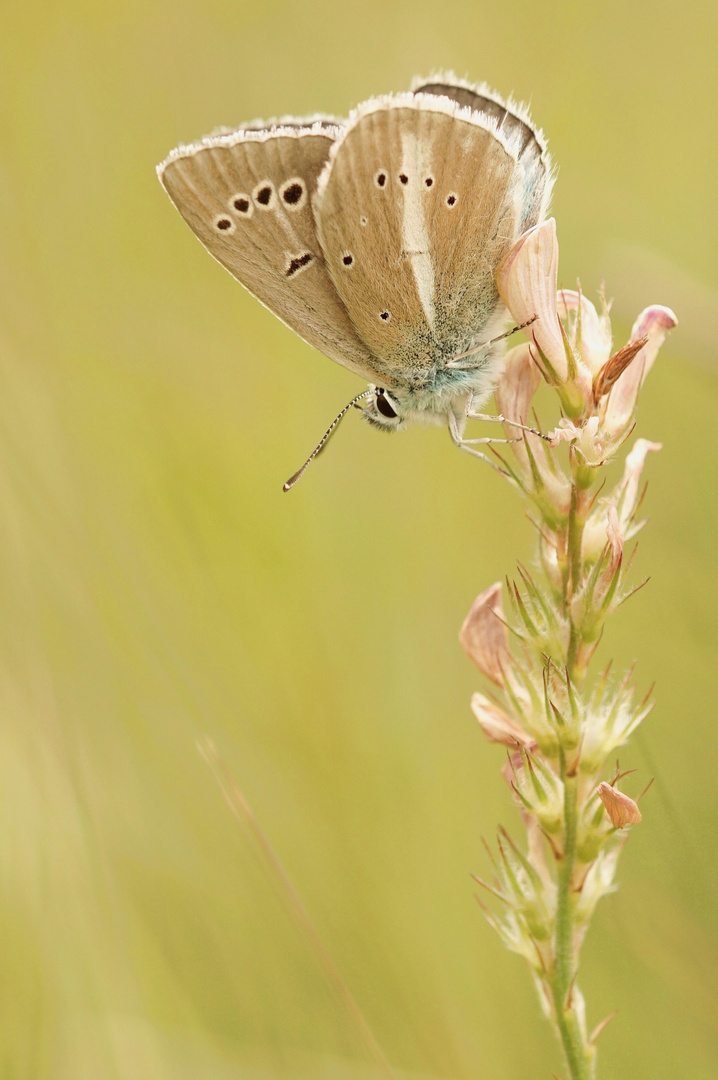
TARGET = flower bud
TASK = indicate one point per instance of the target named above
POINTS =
(621, 810)
(599, 881)
(497, 726)
(592, 604)
(539, 790)
(610, 720)
(484, 636)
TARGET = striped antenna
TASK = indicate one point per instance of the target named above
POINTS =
(477, 348)
(323, 441)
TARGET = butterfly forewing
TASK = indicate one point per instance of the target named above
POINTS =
(248, 197)
(417, 207)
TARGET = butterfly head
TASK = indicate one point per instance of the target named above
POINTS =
(383, 410)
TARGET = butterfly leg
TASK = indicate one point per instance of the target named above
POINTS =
(468, 444)
(500, 419)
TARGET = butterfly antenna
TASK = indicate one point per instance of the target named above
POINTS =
(324, 439)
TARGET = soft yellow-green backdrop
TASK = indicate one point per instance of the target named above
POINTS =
(157, 586)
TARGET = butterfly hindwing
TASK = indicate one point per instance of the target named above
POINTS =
(511, 119)
(247, 195)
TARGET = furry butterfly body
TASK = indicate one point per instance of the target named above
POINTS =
(377, 239)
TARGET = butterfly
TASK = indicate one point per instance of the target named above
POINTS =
(377, 238)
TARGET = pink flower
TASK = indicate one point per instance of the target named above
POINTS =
(518, 384)
(621, 810)
(588, 332)
(587, 437)
(526, 280)
(627, 490)
(653, 323)
(497, 726)
(623, 504)
(513, 397)
(484, 635)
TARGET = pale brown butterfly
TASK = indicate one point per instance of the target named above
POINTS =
(377, 239)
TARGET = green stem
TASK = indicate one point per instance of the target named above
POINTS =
(579, 1057)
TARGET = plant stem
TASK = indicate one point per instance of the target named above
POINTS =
(578, 1056)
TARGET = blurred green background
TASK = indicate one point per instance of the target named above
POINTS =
(158, 587)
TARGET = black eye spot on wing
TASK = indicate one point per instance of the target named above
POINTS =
(385, 315)
(298, 263)
(451, 200)
(294, 193)
(348, 258)
(363, 219)
(224, 224)
(429, 180)
(404, 179)
(380, 179)
(242, 204)
(264, 195)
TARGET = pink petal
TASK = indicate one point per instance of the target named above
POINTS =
(653, 323)
(615, 537)
(621, 810)
(513, 397)
(526, 280)
(628, 488)
(484, 635)
(595, 343)
(497, 726)
(565, 431)
(517, 386)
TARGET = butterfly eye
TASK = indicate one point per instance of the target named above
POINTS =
(383, 405)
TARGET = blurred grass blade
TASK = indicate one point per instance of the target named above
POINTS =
(243, 812)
